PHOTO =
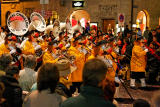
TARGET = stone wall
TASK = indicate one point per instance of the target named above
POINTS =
(98, 9)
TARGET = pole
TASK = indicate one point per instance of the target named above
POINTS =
(132, 2)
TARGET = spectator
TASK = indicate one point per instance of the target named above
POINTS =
(141, 103)
(146, 33)
(28, 75)
(139, 32)
(3, 102)
(5, 60)
(91, 95)
(158, 34)
(151, 35)
(126, 30)
(12, 92)
(109, 90)
(2, 34)
(63, 87)
(45, 96)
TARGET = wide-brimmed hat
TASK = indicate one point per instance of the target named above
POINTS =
(65, 67)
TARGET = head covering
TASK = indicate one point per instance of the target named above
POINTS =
(64, 67)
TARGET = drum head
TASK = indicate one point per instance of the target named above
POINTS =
(18, 23)
(38, 21)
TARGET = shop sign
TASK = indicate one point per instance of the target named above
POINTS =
(18, 23)
(77, 3)
(121, 19)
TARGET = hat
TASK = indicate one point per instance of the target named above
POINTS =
(14, 38)
(37, 47)
(64, 67)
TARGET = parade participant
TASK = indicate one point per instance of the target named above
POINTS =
(138, 63)
(95, 52)
(49, 56)
(44, 42)
(76, 76)
(56, 28)
(112, 64)
(16, 52)
(4, 48)
(28, 47)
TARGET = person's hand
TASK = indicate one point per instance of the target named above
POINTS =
(25, 92)
(146, 50)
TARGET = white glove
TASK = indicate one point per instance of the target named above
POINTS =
(12, 51)
(146, 50)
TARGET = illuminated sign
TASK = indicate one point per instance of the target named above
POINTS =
(77, 3)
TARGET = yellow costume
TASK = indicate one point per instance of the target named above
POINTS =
(112, 70)
(4, 49)
(138, 60)
(44, 45)
(28, 48)
(48, 58)
(76, 76)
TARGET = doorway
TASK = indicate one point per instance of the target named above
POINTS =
(80, 15)
(142, 20)
(108, 24)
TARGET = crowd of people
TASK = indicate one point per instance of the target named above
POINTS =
(75, 66)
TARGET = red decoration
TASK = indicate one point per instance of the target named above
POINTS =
(60, 46)
(109, 50)
(119, 42)
(14, 38)
(16, 18)
(36, 35)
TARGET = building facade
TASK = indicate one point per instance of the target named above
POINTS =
(103, 12)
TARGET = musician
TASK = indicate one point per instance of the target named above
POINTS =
(28, 47)
(76, 76)
(95, 52)
(138, 63)
(4, 49)
(44, 43)
(49, 56)
(111, 58)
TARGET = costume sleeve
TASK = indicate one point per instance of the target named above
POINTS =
(139, 52)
